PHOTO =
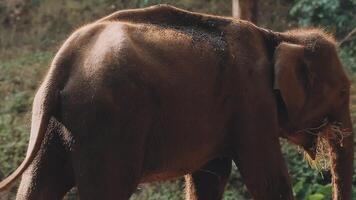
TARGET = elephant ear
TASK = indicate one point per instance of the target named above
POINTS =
(290, 74)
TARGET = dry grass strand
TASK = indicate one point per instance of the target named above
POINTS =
(326, 132)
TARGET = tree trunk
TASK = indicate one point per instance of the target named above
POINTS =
(245, 9)
(236, 12)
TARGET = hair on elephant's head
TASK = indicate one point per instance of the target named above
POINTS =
(314, 95)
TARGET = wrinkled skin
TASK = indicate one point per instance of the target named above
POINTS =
(153, 94)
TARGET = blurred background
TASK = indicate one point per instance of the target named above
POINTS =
(31, 31)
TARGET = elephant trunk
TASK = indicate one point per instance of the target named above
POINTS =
(342, 155)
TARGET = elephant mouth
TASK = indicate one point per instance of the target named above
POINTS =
(318, 153)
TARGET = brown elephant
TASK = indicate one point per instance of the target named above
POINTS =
(157, 93)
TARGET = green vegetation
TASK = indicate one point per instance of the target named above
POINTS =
(19, 78)
(31, 32)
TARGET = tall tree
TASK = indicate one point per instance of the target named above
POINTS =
(236, 11)
(245, 9)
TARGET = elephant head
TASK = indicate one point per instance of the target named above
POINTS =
(313, 92)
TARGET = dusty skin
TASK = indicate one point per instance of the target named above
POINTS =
(157, 93)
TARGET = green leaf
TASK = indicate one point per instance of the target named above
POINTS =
(326, 190)
(316, 196)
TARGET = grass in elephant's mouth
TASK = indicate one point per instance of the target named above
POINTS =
(321, 161)
(330, 132)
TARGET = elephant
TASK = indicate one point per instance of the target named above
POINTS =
(152, 94)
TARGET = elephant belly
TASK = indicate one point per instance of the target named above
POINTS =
(170, 169)
(184, 149)
(162, 176)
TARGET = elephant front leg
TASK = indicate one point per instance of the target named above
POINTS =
(208, 182)
(259, 158)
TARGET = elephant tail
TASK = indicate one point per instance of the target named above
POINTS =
(44, 106)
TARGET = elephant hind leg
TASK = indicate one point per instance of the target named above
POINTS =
(105, 174)
(209, 182)
(50, 176)
(108, 167)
